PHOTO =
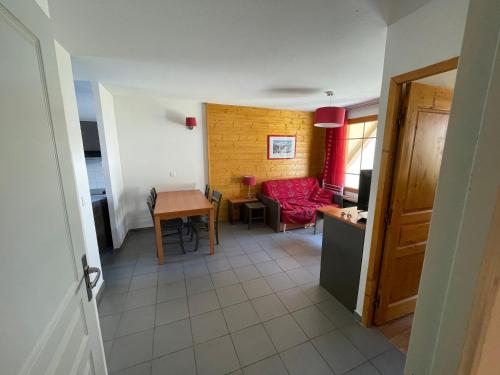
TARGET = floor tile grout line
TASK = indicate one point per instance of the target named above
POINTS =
(231, 338)
(154, 326)
(364, 363)
(322, 357)
(221, 308)
(306, 266)
(192, 340)
(358, 349)
(129, 367)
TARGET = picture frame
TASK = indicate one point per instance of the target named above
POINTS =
(281, 147)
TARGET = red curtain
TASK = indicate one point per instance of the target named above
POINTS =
(335, 155)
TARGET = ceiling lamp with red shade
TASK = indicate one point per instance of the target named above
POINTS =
(329, 117)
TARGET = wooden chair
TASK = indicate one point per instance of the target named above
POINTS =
(170, 227)
(200, 223)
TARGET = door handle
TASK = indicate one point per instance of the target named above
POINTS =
(87, 271)
(91, 270)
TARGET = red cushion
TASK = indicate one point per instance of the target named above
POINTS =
(299, 215)
(298, 197)
(302, 203)
(322, 196)
(283, 190)
(285, 205)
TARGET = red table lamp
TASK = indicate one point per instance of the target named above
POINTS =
(249, 181)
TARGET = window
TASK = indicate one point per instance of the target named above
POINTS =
(360, 148)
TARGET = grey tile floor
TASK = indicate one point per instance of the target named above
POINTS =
(255, 307)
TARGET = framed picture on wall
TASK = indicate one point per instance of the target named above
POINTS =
(281, 147)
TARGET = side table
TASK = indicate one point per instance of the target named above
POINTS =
(254, 207)
(234, 203)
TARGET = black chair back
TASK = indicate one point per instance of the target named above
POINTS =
(216, 199)
(151, 200)
(207, 191)
(151, 208)
(153, 194)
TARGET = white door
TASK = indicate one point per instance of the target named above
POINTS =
(47, 324)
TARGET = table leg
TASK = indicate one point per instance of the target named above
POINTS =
(211, 225)
(159, 240)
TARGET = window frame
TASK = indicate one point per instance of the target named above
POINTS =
(359, 120)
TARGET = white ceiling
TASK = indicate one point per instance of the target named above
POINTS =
(275, 53)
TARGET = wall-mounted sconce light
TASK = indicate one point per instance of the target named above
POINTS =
(190, 122)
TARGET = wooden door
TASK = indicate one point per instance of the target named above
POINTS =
(47, 325)
(420, 148)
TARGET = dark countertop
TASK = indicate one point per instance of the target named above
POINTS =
(97, 197)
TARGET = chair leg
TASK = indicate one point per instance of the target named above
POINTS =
(189, 232)
(197, 238)
(217, 233)
(179, 230)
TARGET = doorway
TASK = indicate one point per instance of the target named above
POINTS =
(94, 166)
(416, 124)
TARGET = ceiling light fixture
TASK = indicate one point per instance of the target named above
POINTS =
(329, 117)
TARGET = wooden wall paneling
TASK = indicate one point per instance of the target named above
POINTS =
(237, 146)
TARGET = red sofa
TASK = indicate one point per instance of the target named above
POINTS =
(294, 201)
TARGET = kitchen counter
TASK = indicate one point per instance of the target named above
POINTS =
(98, 197)
(101, 221)
(341, 255)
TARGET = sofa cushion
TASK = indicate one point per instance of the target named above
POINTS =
(302, 203)
(322, 196)
(299, 215)
(285, 205)
(283, 190)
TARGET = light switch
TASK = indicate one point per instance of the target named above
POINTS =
(173, 173)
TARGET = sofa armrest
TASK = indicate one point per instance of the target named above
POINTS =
(337, 199)
(273, 211)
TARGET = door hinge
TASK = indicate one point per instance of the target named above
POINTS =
(388, 216)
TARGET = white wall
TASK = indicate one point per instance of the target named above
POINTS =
(155, 145)
(463, 209)
(77, 156)
(111, 164)
(431, 34)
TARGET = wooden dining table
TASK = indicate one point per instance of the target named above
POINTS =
(178, 204)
